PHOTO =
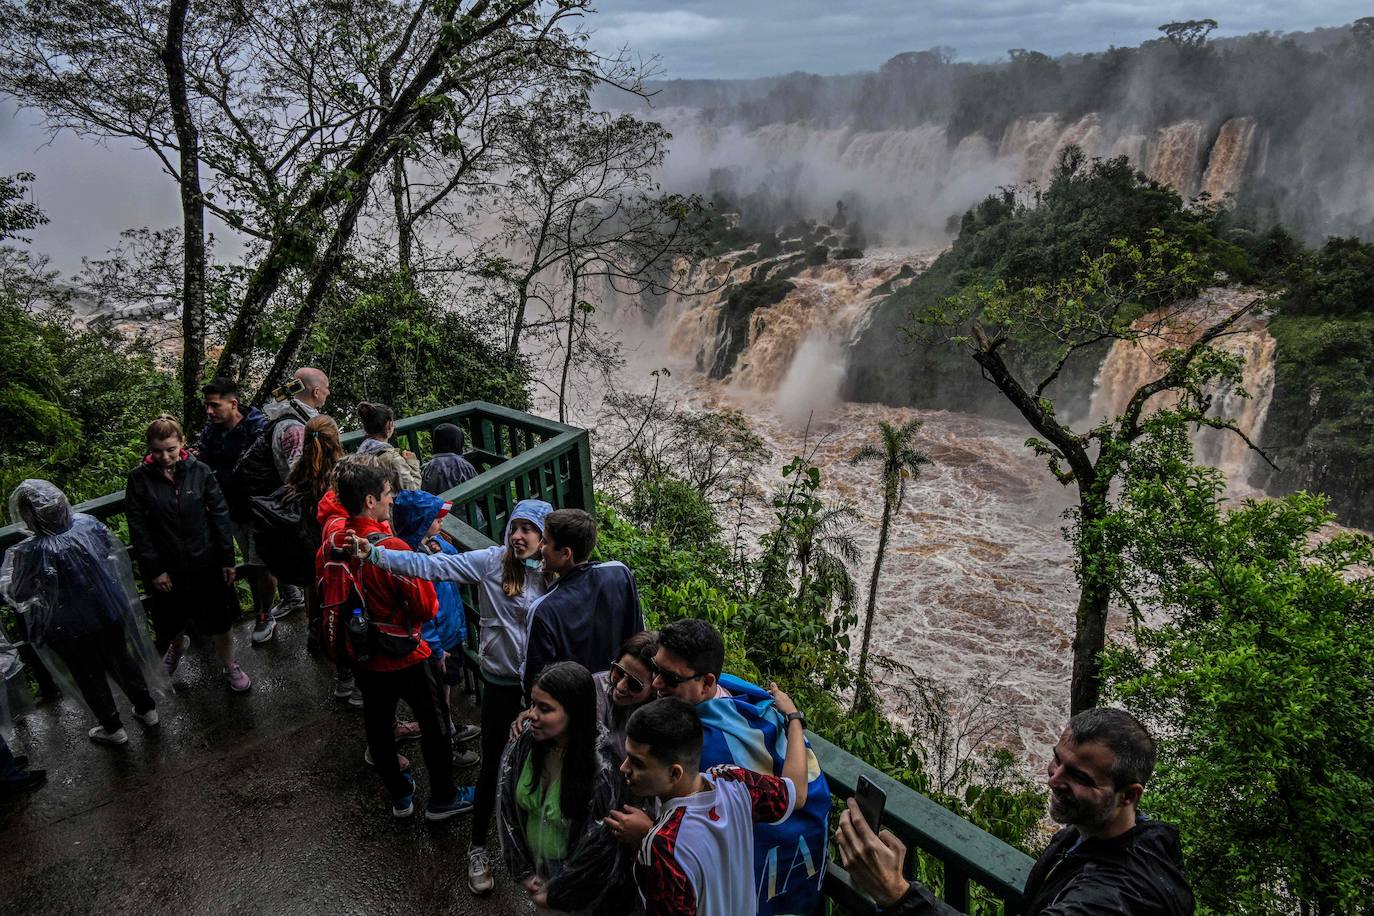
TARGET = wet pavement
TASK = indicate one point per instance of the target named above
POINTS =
(236, 803)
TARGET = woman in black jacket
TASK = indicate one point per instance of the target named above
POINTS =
(183, 545)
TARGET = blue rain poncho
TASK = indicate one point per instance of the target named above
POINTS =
(72, 577)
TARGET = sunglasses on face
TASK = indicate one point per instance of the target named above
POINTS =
(671, 679)
(618, 674)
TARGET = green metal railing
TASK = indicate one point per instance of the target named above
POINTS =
(519, 456)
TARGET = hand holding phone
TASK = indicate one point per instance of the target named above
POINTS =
(871, 801)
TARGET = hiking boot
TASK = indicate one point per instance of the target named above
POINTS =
(32, 780)
(236, 679)
(461, 803)
(264, 629)
(172, 657)
(405, 805)
(465, 733)
(463, 759)
(148, 718)
(292, 600)
(407, 731)
(343, 688)
(401, 760)
(480, 880)
(100, 736)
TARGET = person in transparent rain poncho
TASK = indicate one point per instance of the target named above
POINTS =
(558, 782)
(73, 583)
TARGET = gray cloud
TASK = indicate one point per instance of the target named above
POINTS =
(702, 39)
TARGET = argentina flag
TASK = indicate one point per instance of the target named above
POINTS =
(745, 729)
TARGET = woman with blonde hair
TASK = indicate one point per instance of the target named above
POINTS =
(183, 545)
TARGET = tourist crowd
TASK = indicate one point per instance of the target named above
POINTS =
(624, 769)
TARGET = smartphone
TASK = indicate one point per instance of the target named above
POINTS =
(871, 801)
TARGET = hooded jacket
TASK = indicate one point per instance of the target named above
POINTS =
(503, 619)
(448, 467)
(65, 578)
(584, 618)
(1139, 873)
(411, 515)
(401, 604)
(180, 524)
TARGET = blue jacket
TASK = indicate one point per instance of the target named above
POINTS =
(584, 618)
(411, 515)
(445, 471)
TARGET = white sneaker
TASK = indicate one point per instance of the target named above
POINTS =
(148, 718)
(343, 688)
(100, 736)
(356, 698)
(480, 880)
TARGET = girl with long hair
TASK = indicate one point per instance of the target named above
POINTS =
(558, 783)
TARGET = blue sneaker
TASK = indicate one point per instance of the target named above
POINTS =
(405, 805)
(461, 803)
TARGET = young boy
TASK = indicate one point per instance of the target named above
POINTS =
(398, 606)
(698, 859)
(592, 608)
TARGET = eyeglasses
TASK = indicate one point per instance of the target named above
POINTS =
(671, 679)
(618, 674)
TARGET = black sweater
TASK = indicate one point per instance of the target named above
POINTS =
(180, 524)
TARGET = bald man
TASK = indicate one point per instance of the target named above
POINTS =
(288, 435)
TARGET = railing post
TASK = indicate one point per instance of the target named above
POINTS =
(581, 467)
(956, 886)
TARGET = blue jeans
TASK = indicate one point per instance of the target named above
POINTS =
(10, 774)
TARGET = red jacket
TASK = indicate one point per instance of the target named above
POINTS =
(399, 603)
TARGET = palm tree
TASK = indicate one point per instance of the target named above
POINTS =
(899, 462)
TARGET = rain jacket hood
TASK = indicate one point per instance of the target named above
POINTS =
(40, 507)
(412, 513)
(531, 510)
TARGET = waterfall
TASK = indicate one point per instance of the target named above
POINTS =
(1131, 364)
(797, 348)
(1230, 155)
(1177, 155)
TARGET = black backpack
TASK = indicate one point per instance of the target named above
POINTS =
(255, 473)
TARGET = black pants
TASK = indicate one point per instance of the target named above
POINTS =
(90, 658)
(198, 596)
(415, 684)
(500, 706)
(436, 672)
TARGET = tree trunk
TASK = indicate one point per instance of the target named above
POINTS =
(192, 216)
(1094, 599)
(326, 269)
(567, 356)
(859, 688)
(404, 238)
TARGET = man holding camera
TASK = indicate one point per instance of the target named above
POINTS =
(1107, 859)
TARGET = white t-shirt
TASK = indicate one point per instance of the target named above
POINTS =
(699, 858)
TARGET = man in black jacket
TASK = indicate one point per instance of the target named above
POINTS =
(1107, 859)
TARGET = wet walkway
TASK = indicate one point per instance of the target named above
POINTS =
(252, 803)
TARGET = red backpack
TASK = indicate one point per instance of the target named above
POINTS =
(347, 630)
(342, 601)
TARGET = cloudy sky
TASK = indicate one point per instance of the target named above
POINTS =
(744, 38)
(92, 191)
